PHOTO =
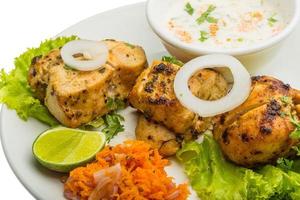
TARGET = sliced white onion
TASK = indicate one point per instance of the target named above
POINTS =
(106, 180)
(236, 96)
(94, 52)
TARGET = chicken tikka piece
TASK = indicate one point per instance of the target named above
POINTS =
(78, 97)
(166, 122)
(154, 96)
(258, 131)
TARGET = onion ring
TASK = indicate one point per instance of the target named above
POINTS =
(95, 54)
(236, 96)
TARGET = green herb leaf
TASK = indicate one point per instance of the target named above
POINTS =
(111, 122)
(129, 45)
(173, 60)
(286, 100)
(212, 176)
(201, 19)
(295, 134)
(203, 36)
(205, 16)
(211, 8)
(240, 39)
(96, 123)
(285, 164)
(115, 104)
(295, 121)
(189, 9)
(272, 20)
(211, 20)
(297, 149)
(112, 125)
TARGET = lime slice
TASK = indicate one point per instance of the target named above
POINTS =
(63, 149)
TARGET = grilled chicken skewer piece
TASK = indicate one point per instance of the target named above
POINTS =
(166, 121)
(77, 97)
(258, 131)
(154, 96)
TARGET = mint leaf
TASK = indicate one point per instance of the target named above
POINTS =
(189, 9)
(205, 16)
(272, 20)
(112, 125)
(203, 36)
(211, 8)
(173, 60)
(211, 20)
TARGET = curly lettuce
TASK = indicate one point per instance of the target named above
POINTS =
(15, 91)
(214, 178)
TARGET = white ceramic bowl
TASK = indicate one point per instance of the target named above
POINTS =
(155, 14)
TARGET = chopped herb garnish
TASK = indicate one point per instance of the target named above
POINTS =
(283, 114)
(297, 149)
(189, 9)
(286, 100)
(272, 20)
(172, 59)
(112, 125)
(130, 45)
(115, 104)
(296, 133)
(96, 123)
(211, 19)
(285, 164)
(205, 16)
(66, 67)
(203, 36)
(111, 122)
(240, 39)
(211, 8)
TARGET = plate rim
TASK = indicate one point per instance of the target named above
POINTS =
(12, 167)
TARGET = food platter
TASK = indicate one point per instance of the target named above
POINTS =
(128, 24)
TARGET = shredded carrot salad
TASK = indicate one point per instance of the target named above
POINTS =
(142, 174)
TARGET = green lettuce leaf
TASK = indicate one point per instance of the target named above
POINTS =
(15, 91)
(214, 178)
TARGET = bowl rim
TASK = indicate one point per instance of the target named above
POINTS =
(155, 26)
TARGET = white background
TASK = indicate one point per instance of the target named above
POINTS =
(25, 23)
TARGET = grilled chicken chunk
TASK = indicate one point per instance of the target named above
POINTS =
(38, 75)
(154, 96)
(157, 136)
(257, 132)
(77, 97)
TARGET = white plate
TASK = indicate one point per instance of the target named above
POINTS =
(128, 24)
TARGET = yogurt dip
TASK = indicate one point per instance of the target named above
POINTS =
(226, 24)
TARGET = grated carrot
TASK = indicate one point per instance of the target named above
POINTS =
(142, 174)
